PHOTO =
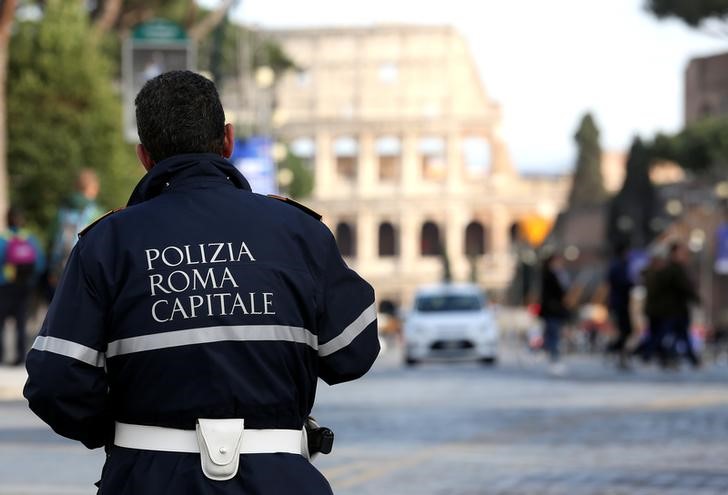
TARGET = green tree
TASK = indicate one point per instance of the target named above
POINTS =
(219, 40)
(301, 177)
(7, 16)
(112, 20)
(702, 147)
(588, 186)
(122, 15)
(694, 13)
(634, 213)
(64, 114)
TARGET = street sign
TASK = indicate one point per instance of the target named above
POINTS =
(154, 47)
(721, 249)
(159, 30)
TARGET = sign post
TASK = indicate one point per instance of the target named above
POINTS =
(154, 47)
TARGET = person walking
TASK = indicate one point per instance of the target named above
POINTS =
(620, 288)
(553, 311)
(22, 262)
(655, 311)
(190, 329)
(679, 293)
(77, 211)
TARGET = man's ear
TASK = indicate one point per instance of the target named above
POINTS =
(229, 141)
(144, 157)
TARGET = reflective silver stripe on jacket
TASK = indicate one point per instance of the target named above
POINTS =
(70, 349)
(208, 335)
(240, 333)
(351, 332)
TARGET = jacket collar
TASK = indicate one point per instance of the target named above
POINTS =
(196, 166)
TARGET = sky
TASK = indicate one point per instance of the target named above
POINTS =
(545, 62)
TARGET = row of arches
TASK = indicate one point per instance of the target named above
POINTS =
(431, 241)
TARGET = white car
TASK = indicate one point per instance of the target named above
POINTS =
(450, 321)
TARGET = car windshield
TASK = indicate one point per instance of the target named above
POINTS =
(450, 302)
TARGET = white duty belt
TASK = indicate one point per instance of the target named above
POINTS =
(267, 441)
(173, 440)
(219, 442)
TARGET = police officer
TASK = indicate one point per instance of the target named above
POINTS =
(189, 329)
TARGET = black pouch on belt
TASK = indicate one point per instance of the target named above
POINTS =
(319, 438)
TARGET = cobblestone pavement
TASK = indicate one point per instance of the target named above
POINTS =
(465, 429)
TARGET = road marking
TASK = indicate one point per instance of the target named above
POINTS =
(383, 468)
(345, 468)
(685, 403)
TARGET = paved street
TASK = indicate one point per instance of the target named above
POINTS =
(467, 429)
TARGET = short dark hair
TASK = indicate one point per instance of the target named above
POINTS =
(180, 112)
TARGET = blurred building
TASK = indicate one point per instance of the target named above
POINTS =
(706, 87)
(614, 170)
(408, 159)
(663, 173)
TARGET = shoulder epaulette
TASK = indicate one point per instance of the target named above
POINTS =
(93, 224)
(298, 205)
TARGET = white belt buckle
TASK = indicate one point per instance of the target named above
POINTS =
(220, 441)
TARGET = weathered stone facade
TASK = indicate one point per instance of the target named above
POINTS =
(706, 87)
(407, 154)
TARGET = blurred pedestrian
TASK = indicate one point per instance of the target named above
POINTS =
(655, 313)
(679, 294)
(620, 287)
(554, 286)
(78, 211)
(22, 263)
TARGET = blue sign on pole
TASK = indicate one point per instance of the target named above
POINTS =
(254, 159)
(721, 249)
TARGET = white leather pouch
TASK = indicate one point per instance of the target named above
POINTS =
(220, 441)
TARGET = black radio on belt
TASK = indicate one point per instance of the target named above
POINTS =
(320, 438)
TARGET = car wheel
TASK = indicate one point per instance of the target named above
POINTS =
(489, 361)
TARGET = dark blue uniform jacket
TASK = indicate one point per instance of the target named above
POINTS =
(201, 299)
